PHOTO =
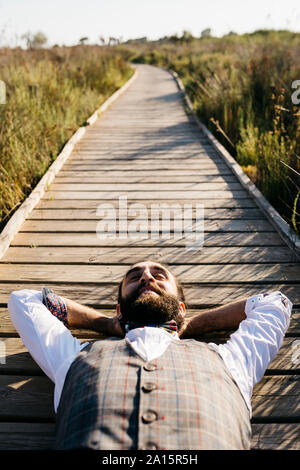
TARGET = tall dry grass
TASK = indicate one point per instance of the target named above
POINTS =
(240, 87)
(50, 93)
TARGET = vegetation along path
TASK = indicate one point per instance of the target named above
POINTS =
(146, 148)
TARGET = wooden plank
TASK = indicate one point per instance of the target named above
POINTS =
(172, 137)
(135, 138)
(189, 186)
(28, 397)
(72, 214)
(211, 203)
(144, 165)
(172, 143)
(150, 172)
(151, 147)
(97, 139)
(241, 273)
(254, 239)
(111, 157)
(145, 194)
(124, 150)
(105, 137)
(111, 178)
(287, 359)
(275, 436)
(139, 156)
(129, 145)
(109, 255)
(277, 398)
(141, 134)
(140, 138)
(24, 397)
(140, 176)
(27, 436)
(197, 296)
(132, 227)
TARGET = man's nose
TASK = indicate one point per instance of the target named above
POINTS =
(147, 277)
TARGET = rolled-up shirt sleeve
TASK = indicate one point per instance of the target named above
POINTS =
(49, 342)
(259, 337)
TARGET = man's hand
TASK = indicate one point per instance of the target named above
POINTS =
(227, 317)
(182, 333)
(116, 327)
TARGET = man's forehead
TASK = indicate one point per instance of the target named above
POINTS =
(151, 264)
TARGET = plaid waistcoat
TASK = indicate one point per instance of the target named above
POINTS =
(185, 399)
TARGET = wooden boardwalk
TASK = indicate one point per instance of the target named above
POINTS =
(146, 147)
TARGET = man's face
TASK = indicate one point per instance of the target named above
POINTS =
(149, 295)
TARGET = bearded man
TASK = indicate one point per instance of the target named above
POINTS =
(146, 387)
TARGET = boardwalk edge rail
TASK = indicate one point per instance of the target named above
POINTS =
(15, 222)
(281, 226)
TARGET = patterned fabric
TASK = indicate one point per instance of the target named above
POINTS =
(55, 304)
(185, 399)
(284, 300)
(170, 327)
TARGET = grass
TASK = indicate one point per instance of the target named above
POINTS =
(241, 89)
(50, 93)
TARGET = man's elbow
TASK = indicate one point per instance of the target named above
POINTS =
(14, 300)
(17, 298)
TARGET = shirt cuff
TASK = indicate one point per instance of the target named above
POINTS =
(56, 305)
(265, 298)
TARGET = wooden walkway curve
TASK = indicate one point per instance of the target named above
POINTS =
(146, 147)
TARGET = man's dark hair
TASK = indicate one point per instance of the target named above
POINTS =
(180, 292)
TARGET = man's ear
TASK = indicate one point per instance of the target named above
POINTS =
(119, 314)
(182, 310)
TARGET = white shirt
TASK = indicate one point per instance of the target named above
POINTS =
(246, 354)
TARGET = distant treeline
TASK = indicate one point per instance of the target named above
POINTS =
(241, 87)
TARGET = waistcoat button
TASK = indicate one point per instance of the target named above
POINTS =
(148, 387)
(149, 417)
(150, 366)
(149, 446)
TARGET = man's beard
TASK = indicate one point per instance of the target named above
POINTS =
(150, 309)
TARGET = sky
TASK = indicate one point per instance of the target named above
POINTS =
(66, 21)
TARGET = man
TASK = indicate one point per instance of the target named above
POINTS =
(145, 388)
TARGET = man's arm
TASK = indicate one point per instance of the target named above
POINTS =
(47, 339)
(81, 316)
(256, 342)
(227, 317)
